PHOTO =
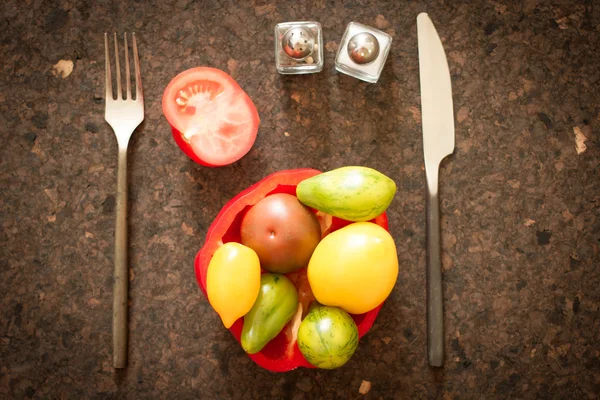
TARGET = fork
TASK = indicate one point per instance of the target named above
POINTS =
(123, 115)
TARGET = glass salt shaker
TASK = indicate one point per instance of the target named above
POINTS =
(362, 52)
(299, 47)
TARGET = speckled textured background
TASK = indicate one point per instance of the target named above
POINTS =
(521, 208)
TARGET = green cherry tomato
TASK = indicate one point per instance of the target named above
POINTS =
(327, 337)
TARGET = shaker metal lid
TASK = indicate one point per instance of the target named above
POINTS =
(363, 48)
(298, 43)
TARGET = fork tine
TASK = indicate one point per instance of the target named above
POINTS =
(139, 92)
(119, 90)
(108, 79)
(127, 74)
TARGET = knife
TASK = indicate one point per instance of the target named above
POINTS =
(438, 142)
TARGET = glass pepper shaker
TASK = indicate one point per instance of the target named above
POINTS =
(363, 52)
(298, 47)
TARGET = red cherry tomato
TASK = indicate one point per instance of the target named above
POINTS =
(282, 353)
(212, 119)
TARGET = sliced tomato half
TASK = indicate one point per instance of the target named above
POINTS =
(213, 120)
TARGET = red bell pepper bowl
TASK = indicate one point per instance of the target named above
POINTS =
(282, 353)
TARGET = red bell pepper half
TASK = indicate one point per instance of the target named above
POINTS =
(282, 353)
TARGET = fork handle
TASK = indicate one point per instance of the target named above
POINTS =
(121, 277)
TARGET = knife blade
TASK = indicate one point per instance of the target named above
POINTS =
(437, 115)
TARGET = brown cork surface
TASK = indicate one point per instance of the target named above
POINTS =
(520, 206)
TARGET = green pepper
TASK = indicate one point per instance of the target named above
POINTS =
(274, 307)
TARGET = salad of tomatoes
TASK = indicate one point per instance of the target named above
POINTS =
(281, 353)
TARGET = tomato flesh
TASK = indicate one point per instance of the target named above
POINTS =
(213, 120)
(282, 353)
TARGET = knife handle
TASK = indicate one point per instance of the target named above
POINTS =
(435, 311)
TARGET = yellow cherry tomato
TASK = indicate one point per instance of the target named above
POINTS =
(354, 268)
(233, 281)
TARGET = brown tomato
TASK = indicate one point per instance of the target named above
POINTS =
(282, 231)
